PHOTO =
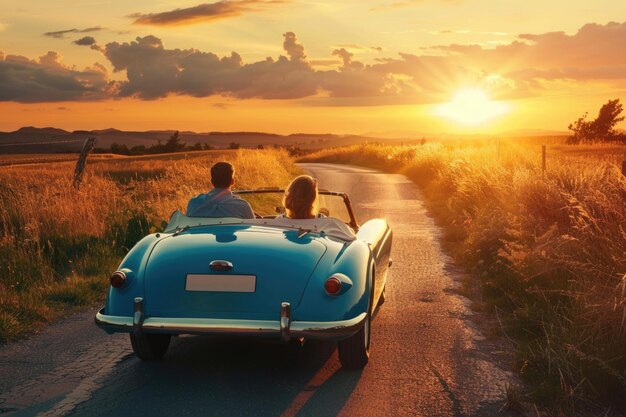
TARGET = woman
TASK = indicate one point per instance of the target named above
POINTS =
(300, 199)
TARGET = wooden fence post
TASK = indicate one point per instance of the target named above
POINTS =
(543, 161)
(82, 160)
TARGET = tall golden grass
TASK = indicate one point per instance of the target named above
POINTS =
(58, 244)
(549, 250)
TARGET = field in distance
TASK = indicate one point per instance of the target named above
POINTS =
(58, 244)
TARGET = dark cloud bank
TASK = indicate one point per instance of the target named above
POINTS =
(595, 52)
(61, 33)
(203, 13)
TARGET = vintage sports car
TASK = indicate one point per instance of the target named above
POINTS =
(269, 277)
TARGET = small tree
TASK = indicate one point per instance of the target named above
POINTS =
(581, 129)
(173, 144)
(602, 129)
(609, 117)
(234, 145)
(118, 149)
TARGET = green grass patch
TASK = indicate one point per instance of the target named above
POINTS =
(58, 245)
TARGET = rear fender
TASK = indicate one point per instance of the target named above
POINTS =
(378, 235)
(353, 260)
(120, 301)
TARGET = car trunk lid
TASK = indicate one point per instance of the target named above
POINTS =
(268, 267)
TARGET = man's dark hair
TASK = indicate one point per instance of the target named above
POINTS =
(222, 174)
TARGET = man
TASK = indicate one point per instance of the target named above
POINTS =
(220, 201)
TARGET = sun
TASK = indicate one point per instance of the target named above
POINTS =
(471, 106)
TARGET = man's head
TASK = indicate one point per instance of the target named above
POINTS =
(222, 175)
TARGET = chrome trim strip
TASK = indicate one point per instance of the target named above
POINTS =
(381, 243)
(332, 330)
(329, 330)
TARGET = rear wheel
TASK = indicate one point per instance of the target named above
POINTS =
(150, 347)
(354, 352)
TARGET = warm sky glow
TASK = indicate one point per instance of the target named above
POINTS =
(472, 107)
(285, 66)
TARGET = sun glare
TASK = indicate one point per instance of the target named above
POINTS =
(472, 107)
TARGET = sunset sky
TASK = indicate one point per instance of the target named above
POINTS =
(353, 66)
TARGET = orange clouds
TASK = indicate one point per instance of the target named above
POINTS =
(47, 79)
(595, 52)
(518, 69)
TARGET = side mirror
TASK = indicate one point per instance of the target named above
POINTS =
(280, 210)
(324, 211)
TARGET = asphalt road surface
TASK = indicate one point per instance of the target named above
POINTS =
(428, 357)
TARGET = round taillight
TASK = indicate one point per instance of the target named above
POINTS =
(332, 286)
(118, 279)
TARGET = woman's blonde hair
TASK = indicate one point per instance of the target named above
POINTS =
(300, 199)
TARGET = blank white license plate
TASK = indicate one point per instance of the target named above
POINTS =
(222, 283)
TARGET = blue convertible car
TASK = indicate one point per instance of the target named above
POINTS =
(268, 277)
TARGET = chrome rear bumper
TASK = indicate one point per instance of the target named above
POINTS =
(284, 328)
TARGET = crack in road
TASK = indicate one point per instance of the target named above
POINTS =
(456, 404)
(72, 382)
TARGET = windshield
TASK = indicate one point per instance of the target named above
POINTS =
(179, 223)
(269, 203)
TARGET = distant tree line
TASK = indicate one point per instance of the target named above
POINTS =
(602, 128)
(173, 144)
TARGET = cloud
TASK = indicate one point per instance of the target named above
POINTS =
(206, 12)
(595, 52)
(89, 41)
(47, 80)
(324, 62)
(521, 68)
(153, 71)
(293, 48)
(61, 33)
(86, 41)
(346, 57)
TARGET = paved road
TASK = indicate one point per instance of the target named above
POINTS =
(428, 358)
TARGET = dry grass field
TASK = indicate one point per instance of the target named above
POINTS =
(548, 250)
(58, 245)
(35, 158)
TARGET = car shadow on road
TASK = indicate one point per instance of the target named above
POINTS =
(228, 377)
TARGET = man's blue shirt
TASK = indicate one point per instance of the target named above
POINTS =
(219, 202)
